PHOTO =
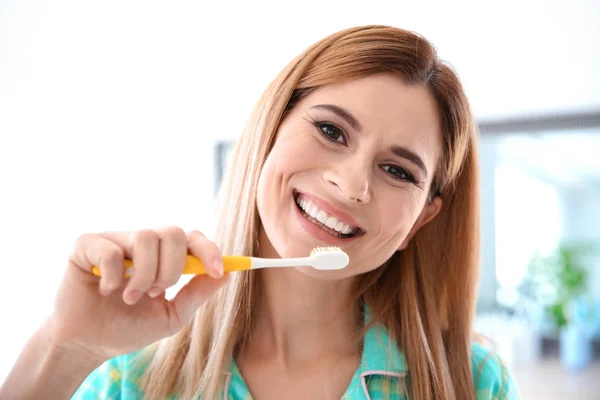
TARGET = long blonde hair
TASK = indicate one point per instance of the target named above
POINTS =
(424, 295)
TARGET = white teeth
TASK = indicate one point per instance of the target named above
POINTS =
(308, 207)
(331, 222)
(321, 216)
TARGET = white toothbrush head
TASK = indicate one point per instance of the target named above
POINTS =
(328, 258)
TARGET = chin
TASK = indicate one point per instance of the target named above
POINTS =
(325, 275)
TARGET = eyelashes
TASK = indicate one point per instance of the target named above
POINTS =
(399, 173)
(335, 134)
(331, 132)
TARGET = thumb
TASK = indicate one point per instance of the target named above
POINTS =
(195, 293)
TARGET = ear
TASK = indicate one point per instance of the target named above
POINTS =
(429, 212)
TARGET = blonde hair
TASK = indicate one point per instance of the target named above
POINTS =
(424, 295)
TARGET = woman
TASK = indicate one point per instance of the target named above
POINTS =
(367, 127)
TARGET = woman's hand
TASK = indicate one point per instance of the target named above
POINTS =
(112, 315)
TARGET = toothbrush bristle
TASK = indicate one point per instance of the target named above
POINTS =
(329, 258)
(321, 249)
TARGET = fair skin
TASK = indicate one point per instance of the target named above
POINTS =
(97, 319)
(302, 343)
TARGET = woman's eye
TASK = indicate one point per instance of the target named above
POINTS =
(331, 132)
(398, 173)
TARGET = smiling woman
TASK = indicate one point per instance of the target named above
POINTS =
(365, 141)
(370, 148)
(368, 128)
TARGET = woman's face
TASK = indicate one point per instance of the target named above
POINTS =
(351, 167)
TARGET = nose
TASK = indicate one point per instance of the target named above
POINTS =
(351, 181)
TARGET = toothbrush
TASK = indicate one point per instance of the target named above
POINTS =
(321, 258)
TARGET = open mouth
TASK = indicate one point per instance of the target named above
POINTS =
(323, 220)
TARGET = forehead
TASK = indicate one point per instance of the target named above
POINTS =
(385, 106)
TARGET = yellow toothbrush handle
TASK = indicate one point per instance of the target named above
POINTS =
(230, 263)
(194, 266)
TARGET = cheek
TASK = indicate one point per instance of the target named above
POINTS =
(395, 220)
(266, 185)
(272, 183)
(289, 157)
(396, 215)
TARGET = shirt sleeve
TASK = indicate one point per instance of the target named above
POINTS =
(113, 380)
(493, 380)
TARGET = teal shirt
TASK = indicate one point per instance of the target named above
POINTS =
(382, 370)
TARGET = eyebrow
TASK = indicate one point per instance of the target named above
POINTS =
(342, 113)
(411, 156)
(399, 151)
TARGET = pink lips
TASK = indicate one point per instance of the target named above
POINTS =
(329, 209)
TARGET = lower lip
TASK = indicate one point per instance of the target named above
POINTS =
(319, 233)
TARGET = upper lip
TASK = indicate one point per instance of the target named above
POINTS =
(331, 210)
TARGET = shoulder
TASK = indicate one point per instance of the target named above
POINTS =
(115, 379)
(491, 376)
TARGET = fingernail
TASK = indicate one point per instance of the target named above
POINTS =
(155, 291)
(132, 296)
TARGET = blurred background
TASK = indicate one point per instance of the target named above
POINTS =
(118, 115)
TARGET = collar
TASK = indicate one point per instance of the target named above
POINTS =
(381, 358)
(380, 353)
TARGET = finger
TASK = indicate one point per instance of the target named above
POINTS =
(90, 250)
(172, 256)
(190, 297)
(207, 252)
(145, 265)
(122, 239)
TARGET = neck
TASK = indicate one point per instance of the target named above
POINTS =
(300, 319)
